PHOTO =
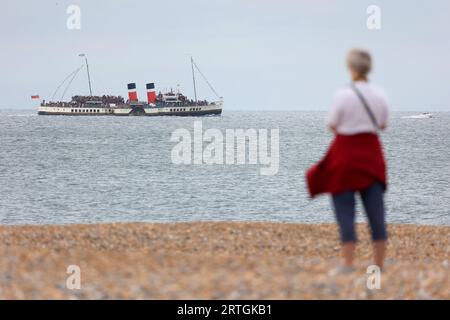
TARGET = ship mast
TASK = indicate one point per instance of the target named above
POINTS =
(87, 68)
(193, 80)
(204, 78)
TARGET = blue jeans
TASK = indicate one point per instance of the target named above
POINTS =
(344, 208)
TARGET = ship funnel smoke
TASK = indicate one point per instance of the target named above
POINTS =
(151, 94)
(132, 93)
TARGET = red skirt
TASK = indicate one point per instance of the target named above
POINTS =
(352, 162)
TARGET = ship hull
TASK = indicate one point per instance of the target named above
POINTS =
(186, 111)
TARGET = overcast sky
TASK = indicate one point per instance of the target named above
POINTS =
(258, 54)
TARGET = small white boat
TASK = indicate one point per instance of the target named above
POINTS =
(425, 115)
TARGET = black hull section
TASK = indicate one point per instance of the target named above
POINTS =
(187, 113)
(159, 114)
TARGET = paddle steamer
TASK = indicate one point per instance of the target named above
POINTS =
(169, 103)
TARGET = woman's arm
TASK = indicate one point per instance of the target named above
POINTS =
(334, 114)
(385, 113)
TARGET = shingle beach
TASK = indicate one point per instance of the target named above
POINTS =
(216, 260)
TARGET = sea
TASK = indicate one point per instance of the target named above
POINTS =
(66, 170)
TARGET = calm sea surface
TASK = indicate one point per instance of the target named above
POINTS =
(56, 169)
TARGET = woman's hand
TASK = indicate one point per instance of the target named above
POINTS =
(332, 128)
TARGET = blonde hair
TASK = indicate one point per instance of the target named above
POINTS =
(360, 61)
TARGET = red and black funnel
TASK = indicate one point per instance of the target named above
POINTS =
(151, 94)
(132, 93)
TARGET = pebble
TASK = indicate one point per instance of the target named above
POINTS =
(216, 260)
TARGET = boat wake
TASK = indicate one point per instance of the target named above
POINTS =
(425, 115)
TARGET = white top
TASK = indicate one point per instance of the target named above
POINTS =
(348, 114)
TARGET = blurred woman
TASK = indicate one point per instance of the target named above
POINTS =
(355, 162)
